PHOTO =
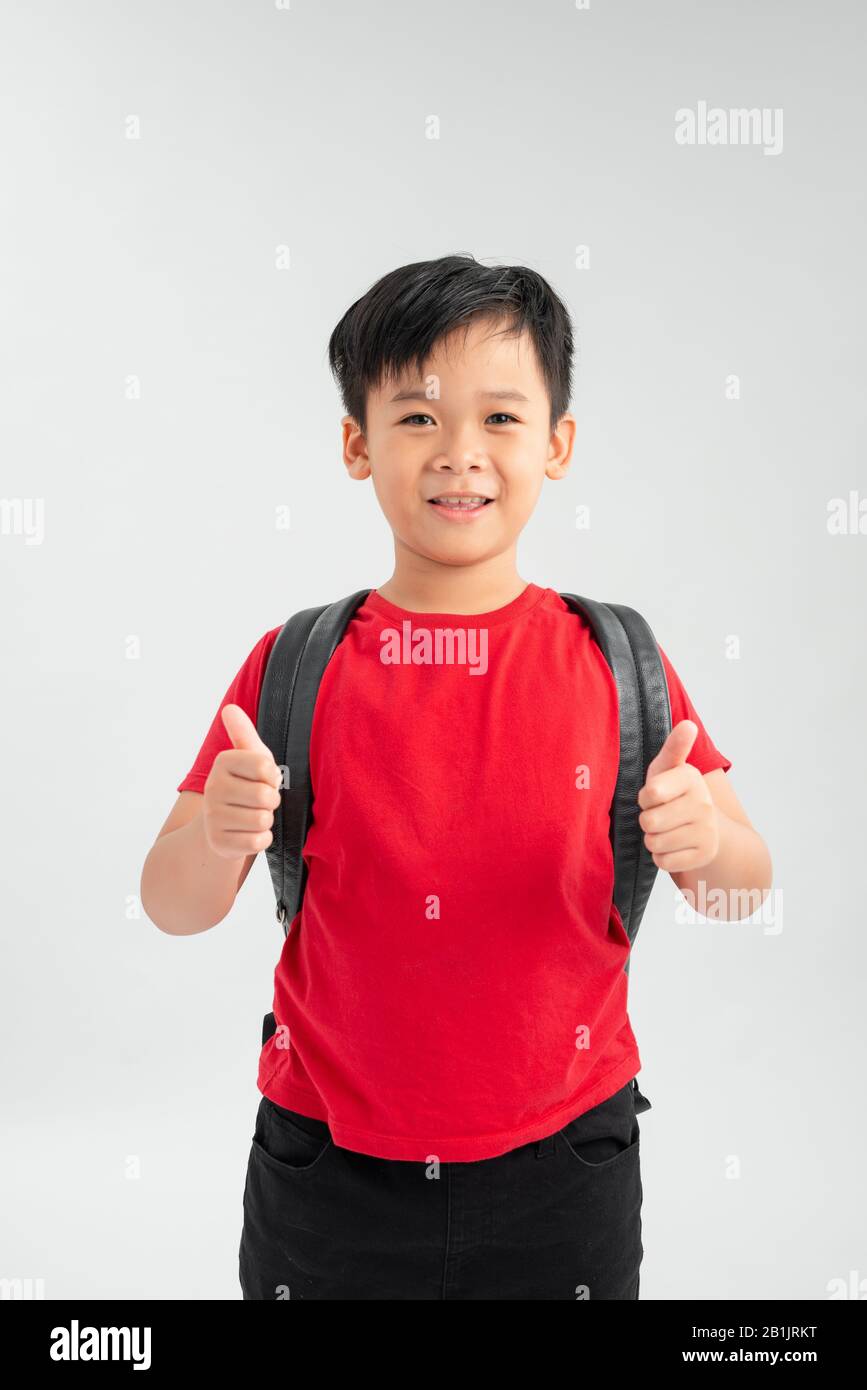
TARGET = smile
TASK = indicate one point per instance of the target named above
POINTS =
(459, 508)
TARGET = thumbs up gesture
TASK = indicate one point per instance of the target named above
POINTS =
(678, 816)
(242, 791)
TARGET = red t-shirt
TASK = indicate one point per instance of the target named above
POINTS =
(453, 984)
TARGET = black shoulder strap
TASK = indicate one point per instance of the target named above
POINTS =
(304, 647)
(298, 659)
(630, 649)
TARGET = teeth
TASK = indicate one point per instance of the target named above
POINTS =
(468, 503)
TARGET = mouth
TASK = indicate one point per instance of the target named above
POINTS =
(461, 502)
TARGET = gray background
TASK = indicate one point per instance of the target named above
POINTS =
(156, 258)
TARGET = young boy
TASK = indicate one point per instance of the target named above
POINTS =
(448, 1104)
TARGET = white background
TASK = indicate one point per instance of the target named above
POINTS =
(155, 258)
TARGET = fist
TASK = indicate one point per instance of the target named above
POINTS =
(242, 791)
(678, 814)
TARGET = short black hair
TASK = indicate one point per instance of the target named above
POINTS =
(401, 317)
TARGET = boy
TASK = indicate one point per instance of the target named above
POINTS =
(448, 1105)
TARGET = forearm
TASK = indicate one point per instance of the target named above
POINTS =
(735, 883)
(185, 887)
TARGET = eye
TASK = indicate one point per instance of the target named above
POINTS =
(499, 415)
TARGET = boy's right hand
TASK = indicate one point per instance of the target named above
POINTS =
(242, 791)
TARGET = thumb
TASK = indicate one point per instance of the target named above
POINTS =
(676, 749)
(241, 730)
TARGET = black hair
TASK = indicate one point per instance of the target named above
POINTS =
(400, 318)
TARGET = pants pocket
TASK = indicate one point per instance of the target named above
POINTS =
(293, 1142)
(607, 1135)
(287, 1197)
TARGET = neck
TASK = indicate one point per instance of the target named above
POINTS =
(423, 586)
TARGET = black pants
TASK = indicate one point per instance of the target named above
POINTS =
(557, 1218)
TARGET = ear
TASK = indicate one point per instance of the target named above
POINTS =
(355, 455)
(560, 447)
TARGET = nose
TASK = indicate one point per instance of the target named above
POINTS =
(459, 466)
(462, 456)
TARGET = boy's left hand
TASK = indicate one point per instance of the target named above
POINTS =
(679, 817)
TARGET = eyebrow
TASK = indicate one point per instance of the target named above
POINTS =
(419, 394)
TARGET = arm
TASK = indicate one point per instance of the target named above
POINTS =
(697, 830)
(741, 869)
(206, 848)
(185, 886)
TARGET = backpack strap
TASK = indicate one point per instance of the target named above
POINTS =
(630, 649)
(304, 646)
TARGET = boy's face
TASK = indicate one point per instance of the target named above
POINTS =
(476, 422)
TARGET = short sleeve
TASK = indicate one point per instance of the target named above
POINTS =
(704, 753)
(244, 691)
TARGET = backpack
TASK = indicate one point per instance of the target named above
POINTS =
(302, 650)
